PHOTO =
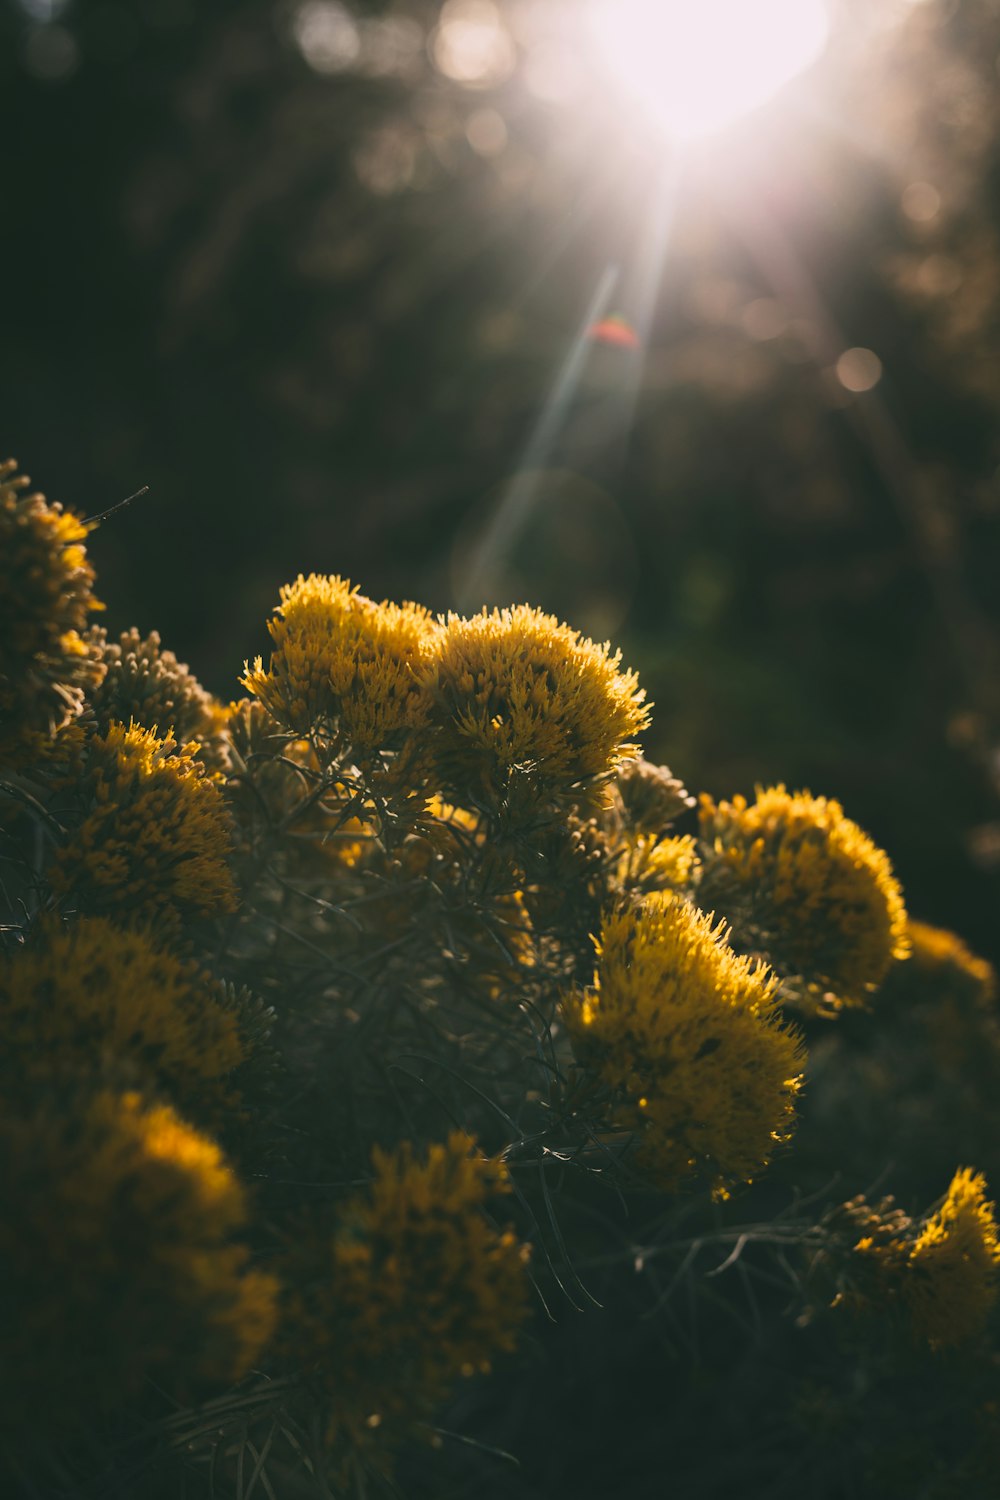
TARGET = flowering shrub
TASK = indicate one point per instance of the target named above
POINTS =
(330, 1015)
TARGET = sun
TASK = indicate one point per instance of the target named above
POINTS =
(697, 65)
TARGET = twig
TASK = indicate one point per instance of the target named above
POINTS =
(104, 514)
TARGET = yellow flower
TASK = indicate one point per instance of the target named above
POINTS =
(117, 1259)
(950, 1285)
(148, 686)
(806, 887)
(647, 862)
(414, 1289)
(942, 1272)
(45, 598)
(944, 962)
(150, 837)
(686, 1035)
(79, 994)
(346, 665)
(526, 705)
(942, 1000)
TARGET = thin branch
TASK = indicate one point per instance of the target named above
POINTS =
(104, 514)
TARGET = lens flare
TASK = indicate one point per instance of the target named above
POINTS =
(698, 65)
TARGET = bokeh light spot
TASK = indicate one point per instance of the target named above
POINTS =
(859, 370)
(385, 160)
(697, 65)
(43, 10)
(939, 276)
(50, 53)
(921, 202)
(327, 35)
(471, 44)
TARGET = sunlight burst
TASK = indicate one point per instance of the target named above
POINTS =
(698, 65)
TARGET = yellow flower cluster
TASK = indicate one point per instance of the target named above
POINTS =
(146, 685)
(801, 882)
(946, 963)
(942, 1000)
(946, 1277)
(89, 993)
(45, 598)
(521, 698)
(685, 1033)
(951, 1284)
(511, 706)
(117, 1256)
(346, 664)
(648, 863)
(152, 838)
(414, 1289)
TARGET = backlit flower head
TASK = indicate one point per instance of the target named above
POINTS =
(941, 961)
(685, 1033)
(86, 992)
(647, 863)
(951, 1281)
(522, 701)
(45, 599)
(149, 832)
(346, 664)
(940, 1272)
(804, 885)
(943, 1000)
(414, 1289)
(146, 685)
(117, 1258)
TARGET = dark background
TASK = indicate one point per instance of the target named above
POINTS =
(279, 263)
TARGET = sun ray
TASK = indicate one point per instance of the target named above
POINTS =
(488, 562)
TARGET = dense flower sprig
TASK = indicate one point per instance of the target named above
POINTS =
(88, 993)
(951, 1284)
(647, 863)
(685, 1033)
(803, 884)
(413, 1289)
(45, 598)
(944, 963)
(346, 664)
(943, 1272)
(117, 1258)
(525, 704)
(146, 685)
(651, 796)
(149, 834)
